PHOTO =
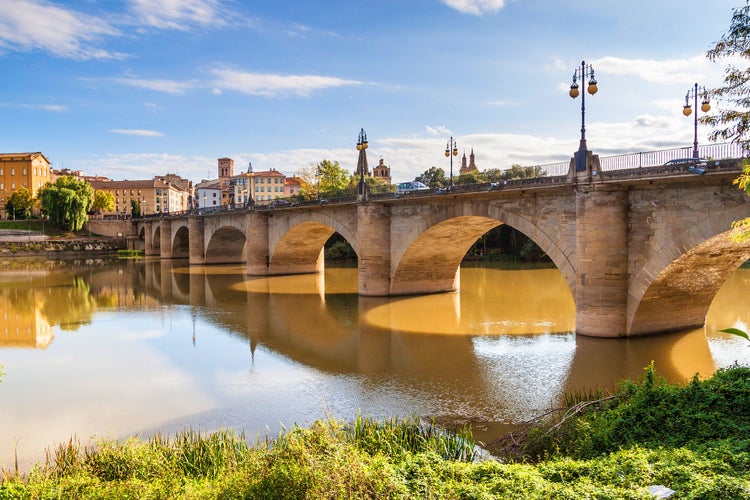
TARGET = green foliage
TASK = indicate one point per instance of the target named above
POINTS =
(399, 436)
(470, 178)
(334, 180)
(737, 332)
(434, 178)
(367, 459)
(66, 202)
(338, 249)
(135, 208)
(733, 120)
(104, 201)
(504, 243)
(377, 185)
(653, 413)
(519, 172)
(20, 203)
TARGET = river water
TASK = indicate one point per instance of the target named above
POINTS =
(131, 347)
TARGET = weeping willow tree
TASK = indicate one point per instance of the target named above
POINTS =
(67, 202)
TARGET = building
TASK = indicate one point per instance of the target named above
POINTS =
(292, 186)
(208, 194)
(226, 172)
(17, 170)
(268, 185)
(153, 196)
(240, 189)
(382, 171)
(471, 167)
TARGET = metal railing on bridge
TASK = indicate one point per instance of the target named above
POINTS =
(655, 158)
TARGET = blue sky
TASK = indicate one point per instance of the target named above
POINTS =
(134, 88)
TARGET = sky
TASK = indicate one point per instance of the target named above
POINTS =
(130, 89)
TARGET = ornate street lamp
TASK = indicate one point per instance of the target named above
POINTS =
(687, 110)
(585, 71)
(362, 163)
(317, 179)
(451, 150)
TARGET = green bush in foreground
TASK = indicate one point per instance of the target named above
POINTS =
(654, 413)
(649, 433)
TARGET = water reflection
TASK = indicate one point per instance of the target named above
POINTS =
(146, 345)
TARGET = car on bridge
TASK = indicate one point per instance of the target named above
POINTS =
(411, 187)
(693, 165)
(280, 203)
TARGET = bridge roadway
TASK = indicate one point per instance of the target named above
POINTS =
(643, 250)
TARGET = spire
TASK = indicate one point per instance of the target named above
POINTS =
(463, 161)
(472, 165)
(362, 161)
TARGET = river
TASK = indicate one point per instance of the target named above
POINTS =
(114, 348)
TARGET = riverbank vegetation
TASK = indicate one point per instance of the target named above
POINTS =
(693, 439)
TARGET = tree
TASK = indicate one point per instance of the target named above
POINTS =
(733, 121)
(519, 172)
(326, 178)
(433, 178)
(378, 185)
(334, 180)
(474, 177)
(308, 181)
(67, 202)
(104, 201)
(135, 208)
(493, 175)
(20, 203)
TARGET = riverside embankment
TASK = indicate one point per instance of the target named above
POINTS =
(21, 243)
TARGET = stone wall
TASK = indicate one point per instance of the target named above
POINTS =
(114, 228)
(79, 246)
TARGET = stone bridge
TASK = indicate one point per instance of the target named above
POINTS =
(643, 250)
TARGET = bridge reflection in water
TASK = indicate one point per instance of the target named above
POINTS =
(155, 345)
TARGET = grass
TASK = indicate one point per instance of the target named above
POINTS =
(125, 254)
(38, 226)
(692, 439)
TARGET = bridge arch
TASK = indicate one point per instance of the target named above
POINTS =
(296, 243)
(300, 249)
(435, 244)
(181, 242)
(684, 275)
(226, 246)
(156, 240)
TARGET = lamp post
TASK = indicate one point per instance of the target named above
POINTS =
(585, 71)
(362, 163)
(317, 179)
(687, 110)
(451, 150)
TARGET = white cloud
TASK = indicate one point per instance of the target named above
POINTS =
(177, 14)
(167, 86)
(54, 108)
(439, 130)
(501, 102)
(475, 7)
(138, 132)
(272, 85)
(670, 71)
(38, 25)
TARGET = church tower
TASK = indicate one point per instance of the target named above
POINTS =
(471, 167)
(382, 171)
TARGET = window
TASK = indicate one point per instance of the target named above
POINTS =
(23, 171)
(12, 170)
